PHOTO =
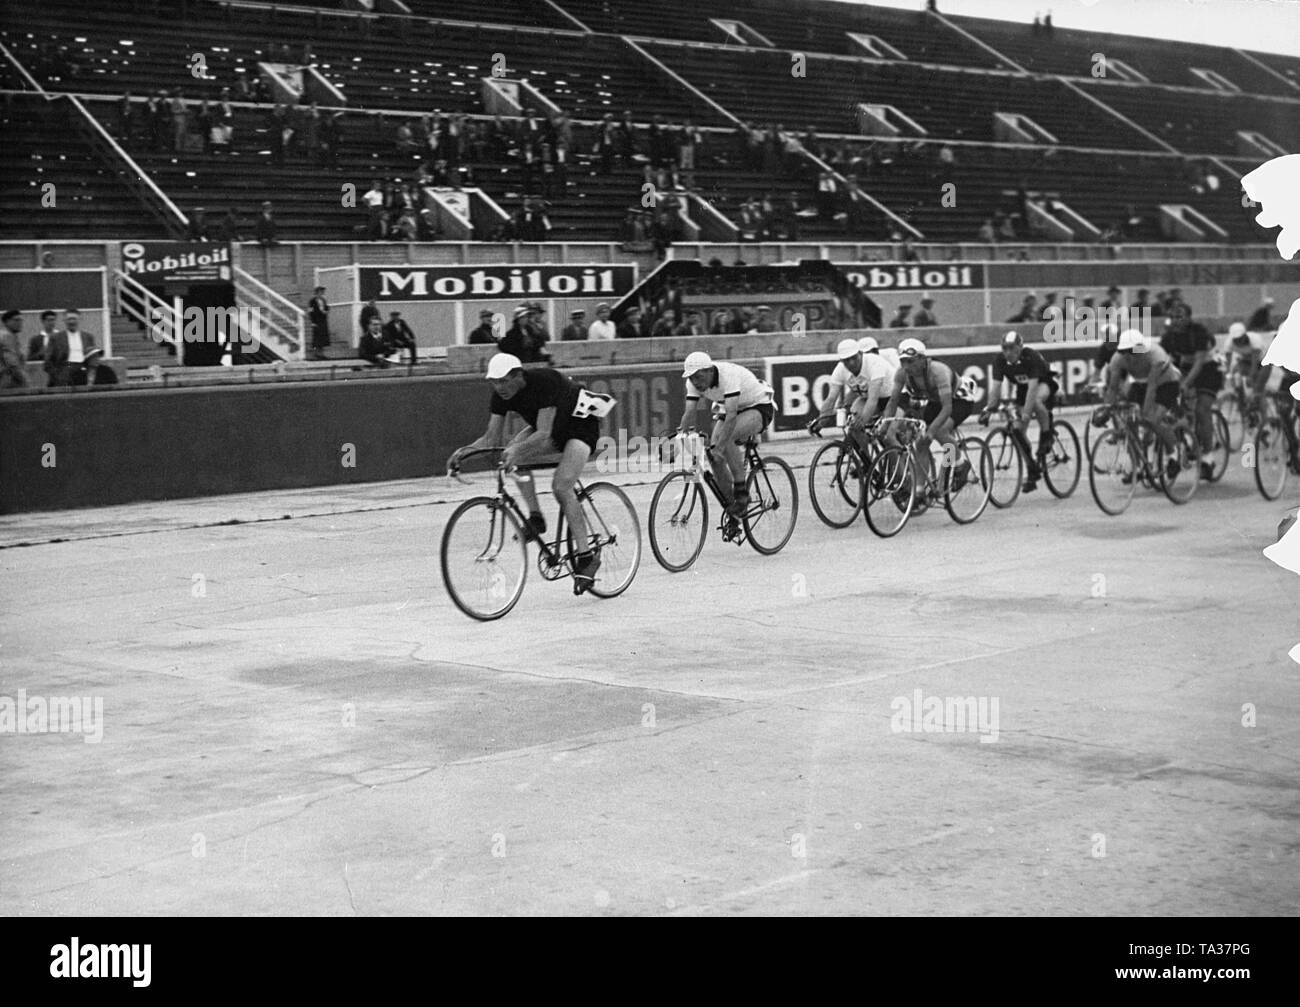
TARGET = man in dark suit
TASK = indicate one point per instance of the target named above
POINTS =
(522, 340)
(368, 312)
(72, 355)
(577, 327)
(484, 334)
(398, 335)
(318, 310)
(265, 228)
(12, 374)
(372, 344)
(41, 341)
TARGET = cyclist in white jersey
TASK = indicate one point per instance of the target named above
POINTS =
(864, 380)
(742, 405)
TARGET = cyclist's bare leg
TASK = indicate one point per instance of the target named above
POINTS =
(572, 460)
(1204, 420)
(528, 489)
(728, 460)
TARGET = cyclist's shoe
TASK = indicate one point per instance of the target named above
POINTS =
(1172, 468)
(584, 571)
(1207, 472)
(536, 525)
(739, 504)
(960, 475)
(1030, 485)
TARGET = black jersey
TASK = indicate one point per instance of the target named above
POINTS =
(544, 388)
(1028, 366)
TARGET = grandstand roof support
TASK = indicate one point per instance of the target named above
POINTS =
(1267, 69)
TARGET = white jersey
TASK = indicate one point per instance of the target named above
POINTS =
(735, 383)
(875, 371)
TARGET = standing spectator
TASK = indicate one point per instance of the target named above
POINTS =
(630, 327)
(986, 233)
(370, 311)
(1113, 298)
(398, 336)
(1143, 303)
(222, 130)
(40, 343)
(372, 346)
(331, 131)
(373, 198)
(577, 327)
(907, 253)
(280, 127)
(318, 310)
(1262, 319)
(12, 372)
(535, 325)
(232, 228)
(310, 132)
(265, 229)
(180, 121)
(563, 129)
(203, 120)
(925, 318)
(766, 320)
(606, 143)
(484, 334)
(625, 138)
(158, 115)
(827, 195)
(690, 141)
(1050, 308)
(125, 118)
(70, 352)
(197, 229)
(899, 321)
(602, 328)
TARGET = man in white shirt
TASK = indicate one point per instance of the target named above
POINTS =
(864, 379)
(40, 343)
(602, 327)
(72, 354)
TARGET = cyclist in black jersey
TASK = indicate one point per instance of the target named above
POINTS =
(1036, 391)
(1191, 347)
(562, 425)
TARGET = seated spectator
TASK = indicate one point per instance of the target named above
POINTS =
(1050, 308)
(925, 318)
(406, 227)
(406, 142)
(692, 326)
(576, 330)
(1262, 319)
(748, 324)
(231, 227)
(398, 336)
(372, 344)
(1028, 311)
(483, 333)
(265, 228)
(766, 320)
(899, 321)
(986, 233)
(73, 357)
(197, 229)
(631, 327)
(602, 328)
(666, 325)
(369, 311)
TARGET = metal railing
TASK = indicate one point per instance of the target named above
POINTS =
(158, 318)
(284, 323)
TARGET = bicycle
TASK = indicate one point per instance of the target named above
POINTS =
(484, 553)
(892, 490)
(1061, 466)
(1132, 453)
(1240, 410)
(835, 477)
(1220, 452)
(1272, 449)
(679, 509)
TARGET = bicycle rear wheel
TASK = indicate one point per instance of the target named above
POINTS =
(773, 506)
(835, 484)
(613, 525)
(484, 558)
(1228, 406)
(968, 483)
(1008, 468)
(679, 521)
(1271, 452)
(1180, 484)
(1113, 472)
(1063, 464)
(889, 492)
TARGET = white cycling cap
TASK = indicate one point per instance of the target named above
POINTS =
(911, 348)
(502, 364)
(847, 348)
(1131, 339)
(696, 361)
(868, 344)
(1236, 330)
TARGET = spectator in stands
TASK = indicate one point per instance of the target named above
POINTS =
(40, 343)
(533, 223)
(857, 208)
(766, 320)
(265, 229)
(280, 127)
(665, 325)
(180, 121)
(1028, 311)
(372, 346)
(125, 118)
(900, 321)
(925, 318)
(602, 328)
(632, 326)
(72, 354)
(907, 253)
(1006, 227)
(158, 113)
(1262, 319)
(368, 314)
(522, 340)
(536, 322)
(406, 227)
(827, 195)
(331, 132)
(222, 129)
(484, 334)
(607, 143)
(692, 326)
(1143, 303)
(12, 372)
(947, 158)
(373, 200)
(690, 141)
(987, 234)
(318, 310)
(398, 336)
(203, 119)
(1050, 308)
(1113, 298)
(626, 141)
(576, 330)
(232, 227)
(197, 229)
(310, 130)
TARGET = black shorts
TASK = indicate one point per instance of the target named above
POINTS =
(961, 408)
(766, 410)
(1053, 389)
(571, 428)
(1167, 394)
(1210, 379)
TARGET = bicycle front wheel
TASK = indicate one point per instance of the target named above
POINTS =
(835, 484)
(679, 521)
(1228, 406)
(968, 484)
(773, 506)
(1220, 452)
(1271, 459)
(484, 558)
(889, 492)
(1180, 479)
(1063, 464)
(1008, 468)
(614, 528)
(1113, 472)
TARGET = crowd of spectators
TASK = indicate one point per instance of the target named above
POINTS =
(70, 356)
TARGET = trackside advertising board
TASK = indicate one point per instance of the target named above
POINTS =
(176, 261)
(486, 283)
(802, 383)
